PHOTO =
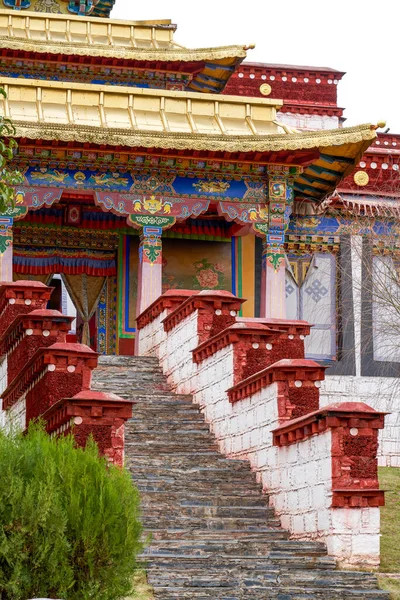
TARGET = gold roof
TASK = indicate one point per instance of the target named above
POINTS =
(71, 35)
(138, 117)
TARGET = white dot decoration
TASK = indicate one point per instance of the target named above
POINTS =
(363, 164)
(28, 301)
(386, 143)
(330, 81)
(291, 336)
(335, 81)
(71, 368)
(377, 143)
(268, 346)
(373, 165)
(252, 76)
(294, 79)
(78, 420)
(264, 77)
(255, 345)
(218, 312)
(354, 431)
(317, 81)
(241, 75)
(306, 80)
(233, 313)
(46, 332)
(12, 301)
(302, 337)
(298, 383)
(317, 384)
(395, 167)
(29, 332)
(51, 368)
(284, 78)
(385, 166)
(272, 77)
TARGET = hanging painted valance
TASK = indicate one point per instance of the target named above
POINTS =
(30, 260)
(206, 227)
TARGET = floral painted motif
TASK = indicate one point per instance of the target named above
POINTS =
(208, 276)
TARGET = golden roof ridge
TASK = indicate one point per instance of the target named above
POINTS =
(174, 54)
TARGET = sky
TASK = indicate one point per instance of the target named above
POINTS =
(359, 37)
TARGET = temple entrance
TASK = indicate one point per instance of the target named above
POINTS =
(66, 247)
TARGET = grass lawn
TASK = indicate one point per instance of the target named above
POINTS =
(389, 479)
(142, 590)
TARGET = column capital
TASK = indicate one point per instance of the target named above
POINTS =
(6, 224)
(6, 248)
(151, 244)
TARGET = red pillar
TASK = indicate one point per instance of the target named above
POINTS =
(150, 267)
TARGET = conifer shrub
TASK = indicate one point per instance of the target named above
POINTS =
(69, 522)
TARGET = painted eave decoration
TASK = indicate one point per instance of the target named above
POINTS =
(147, 41)
(96, 8)
(337, 159)
(180, 121)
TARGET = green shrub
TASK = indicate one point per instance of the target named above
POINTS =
(69, 522)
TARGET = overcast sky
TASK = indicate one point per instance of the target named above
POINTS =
(360, 37)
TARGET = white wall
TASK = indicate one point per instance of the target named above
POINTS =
(382, 394)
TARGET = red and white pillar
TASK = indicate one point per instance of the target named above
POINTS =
(150, 267)
(273, 280)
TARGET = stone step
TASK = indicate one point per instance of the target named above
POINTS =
(163, 484)
(168, 417)
(250, 592)
(189, 523)
(188, 461)
(221, 571)
(185, 454)
(167, 446)
(180, 435)
(107, 363)
(205, 471)
(221, 562)
(165, 399)
(246, 512)
(188, 489)
(223, 483)
(225, 546)
(187, 426)
(272, 535)
(195, 499)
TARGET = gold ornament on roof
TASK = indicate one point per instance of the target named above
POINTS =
(265, 89)
(47, 6)
(361, 178)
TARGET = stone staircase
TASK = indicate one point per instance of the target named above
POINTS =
(213, 535)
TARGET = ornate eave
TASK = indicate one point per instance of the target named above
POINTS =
(179, 121)
(146, 41)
